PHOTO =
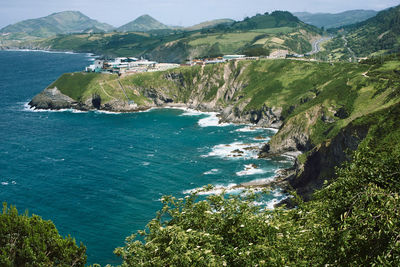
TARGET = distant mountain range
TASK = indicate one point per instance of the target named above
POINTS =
(257, 35)
(260, 34)
(329, 20)
(147, 23)
(57, 23)
(76, 22)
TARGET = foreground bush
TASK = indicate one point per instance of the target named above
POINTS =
(31, 241)
(353, 221)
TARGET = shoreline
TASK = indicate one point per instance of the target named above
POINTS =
(279, 181)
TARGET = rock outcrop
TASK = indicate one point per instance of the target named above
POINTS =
(52, 98)
(321, 161)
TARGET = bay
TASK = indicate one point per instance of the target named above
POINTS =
(100, 176)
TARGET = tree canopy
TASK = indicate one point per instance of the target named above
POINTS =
(31, 241)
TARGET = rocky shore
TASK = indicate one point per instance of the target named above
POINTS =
(305, 177)
(222, 89)
(53, 99)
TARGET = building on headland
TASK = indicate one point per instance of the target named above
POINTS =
(131, 65)
(234, 57)
(216, 60)
(127, 65)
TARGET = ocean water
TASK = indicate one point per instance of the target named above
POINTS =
(100, 176)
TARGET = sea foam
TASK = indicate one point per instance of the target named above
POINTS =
(211, 120)
(249, 129)
(216, 190)
(250, 169)
(235, 150)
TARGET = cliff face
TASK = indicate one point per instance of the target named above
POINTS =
(206, 89)
(312, 104)
(321, 161)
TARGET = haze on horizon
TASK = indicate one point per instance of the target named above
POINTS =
(175, 12)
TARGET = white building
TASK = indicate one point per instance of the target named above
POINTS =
(232, 57)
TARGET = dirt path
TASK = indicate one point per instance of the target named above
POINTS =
(105, 92)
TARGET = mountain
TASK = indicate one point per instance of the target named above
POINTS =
(273, 20)
(57, 23)
(210, 24)
(374, 36)
(143, 24)
(380, 33)
(329, 20)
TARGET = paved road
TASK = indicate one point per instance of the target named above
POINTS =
(316, 45)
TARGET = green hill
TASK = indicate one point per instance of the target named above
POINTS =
(258, 35)
(329, 20)
(57, 23)
(142, 24)
(375, 36)
(210, 24)
(274, 20)
(380, 33)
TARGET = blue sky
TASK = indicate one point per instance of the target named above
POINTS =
(175, 12)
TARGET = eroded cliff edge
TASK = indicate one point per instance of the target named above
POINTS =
(313, 104)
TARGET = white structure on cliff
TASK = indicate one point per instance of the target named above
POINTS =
(128, 65)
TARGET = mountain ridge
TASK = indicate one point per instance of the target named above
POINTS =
(375, 36)
(57, 23)
(333, 20)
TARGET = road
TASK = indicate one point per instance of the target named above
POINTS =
(353, 55)
(316, 45)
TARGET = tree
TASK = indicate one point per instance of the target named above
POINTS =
(32, 241)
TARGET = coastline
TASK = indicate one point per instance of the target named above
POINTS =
(277, 182)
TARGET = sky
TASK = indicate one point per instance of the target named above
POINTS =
(175, 12)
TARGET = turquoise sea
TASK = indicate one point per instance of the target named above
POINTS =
(100, 176)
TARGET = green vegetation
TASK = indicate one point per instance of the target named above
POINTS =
(31, 241)
(353, 221)
(57, 23)
(299, 88)
(146, 37)
(378, 33)
(328, 20)
(375, 36)
(210, 24)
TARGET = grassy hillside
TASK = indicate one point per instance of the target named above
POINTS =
(375, 36)
(380, 33)
(299, 88)
(57, 23)
(329, 20)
